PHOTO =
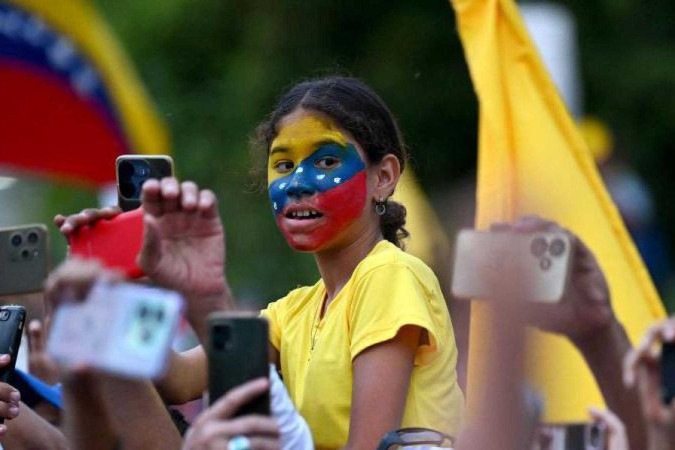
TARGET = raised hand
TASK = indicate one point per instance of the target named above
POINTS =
(39, 363)
(585, 308)
(642, 368)
(184, 245)
(70, 224)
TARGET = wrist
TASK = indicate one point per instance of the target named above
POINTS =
(610, 335)
(660, 437)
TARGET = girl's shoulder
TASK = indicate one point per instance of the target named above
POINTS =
(387, 256)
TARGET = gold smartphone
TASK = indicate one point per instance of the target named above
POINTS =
(491, 265)
(133, 170)
(23, 259)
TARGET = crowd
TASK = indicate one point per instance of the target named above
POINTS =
(367, 350)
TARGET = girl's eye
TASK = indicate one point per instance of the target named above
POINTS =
(327, 163)
(283, 166)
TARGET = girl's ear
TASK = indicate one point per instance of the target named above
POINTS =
(387, 173)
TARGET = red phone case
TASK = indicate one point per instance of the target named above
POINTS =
(116, 242)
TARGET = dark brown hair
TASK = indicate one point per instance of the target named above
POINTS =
(356, 108)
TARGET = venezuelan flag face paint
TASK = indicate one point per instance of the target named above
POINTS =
(317, 182)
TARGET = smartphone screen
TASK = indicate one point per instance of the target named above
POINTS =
(668, 372)
(133, 171)
(238, 352)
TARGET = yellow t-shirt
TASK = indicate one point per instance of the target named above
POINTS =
(388, 290)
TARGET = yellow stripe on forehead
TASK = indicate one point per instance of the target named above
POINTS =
(300, 138)
(303, 134)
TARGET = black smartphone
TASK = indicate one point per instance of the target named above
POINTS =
(23, 259)
(237, 352)
(12, 319)
(668, 372)
(133, 171)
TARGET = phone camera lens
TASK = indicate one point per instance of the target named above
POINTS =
(126, 169)
(25, 253)
(545, 264)
(128, 189)
(16, 240)
(32, 237)
(221, 337)
(142, 169)
(557, 247)
(538, 247)
(143, 312)
(4, 315)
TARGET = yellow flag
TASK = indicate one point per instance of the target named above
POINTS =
(532, 160)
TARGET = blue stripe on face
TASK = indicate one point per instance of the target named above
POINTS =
(307, 178)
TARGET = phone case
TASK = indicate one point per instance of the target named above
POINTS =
(23, 259)
(125, 329)
(116, 242)
(238, 352)
(668, 372)
(577, 436)
(133, 170)
(12, 318)
(491, 265)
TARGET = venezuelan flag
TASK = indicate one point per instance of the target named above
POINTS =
(533, 160)
(71, 102)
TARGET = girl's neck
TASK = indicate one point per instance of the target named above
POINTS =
(336, 266)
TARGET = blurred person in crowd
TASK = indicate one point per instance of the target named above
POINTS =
(370, 347)
(102, 408)
(643, 370)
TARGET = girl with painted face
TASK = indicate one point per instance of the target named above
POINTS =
(367, 349)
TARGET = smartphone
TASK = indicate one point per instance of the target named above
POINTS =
(125, 329)
(12, 319)
(490, 265)
(23, 259)
(668, 372)
(133, 170)
(115, 243)
(238, 352)
(576, 436)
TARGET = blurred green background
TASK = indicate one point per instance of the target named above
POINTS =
(215, 67)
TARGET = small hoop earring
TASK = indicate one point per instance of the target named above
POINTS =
(381, 207)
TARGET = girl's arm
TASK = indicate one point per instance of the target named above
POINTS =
(381, 379)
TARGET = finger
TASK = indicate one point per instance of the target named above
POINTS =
(229, 404)
(189, 196)
(36, 337)
(248, 426)
(8, 394)
(608, 418)
(208, 204)
(151, 198)
(150, 253)
(59, 219)
(629, 364)
(500, 227)
(170, 192)
(9, 410)
(264, 443)
(5, 359)
(529, 224)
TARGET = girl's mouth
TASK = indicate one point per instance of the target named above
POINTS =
(303, 214)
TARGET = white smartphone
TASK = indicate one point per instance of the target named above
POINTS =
(125, 329)
(491, 265)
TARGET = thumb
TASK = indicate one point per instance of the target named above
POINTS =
(149, 256)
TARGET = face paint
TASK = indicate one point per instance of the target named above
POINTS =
(317, 182)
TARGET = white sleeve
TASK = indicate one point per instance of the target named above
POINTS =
(293, 429)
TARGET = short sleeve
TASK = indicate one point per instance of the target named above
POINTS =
(271, 313)
(386, 299)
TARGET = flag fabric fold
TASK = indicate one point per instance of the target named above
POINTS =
(532, 160)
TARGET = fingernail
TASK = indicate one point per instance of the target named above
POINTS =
(4, 358)
(15, 396)
(13, 411)
(3, 429)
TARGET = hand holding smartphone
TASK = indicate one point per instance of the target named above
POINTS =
(238, 352)
(532, 266)
(125, 329)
